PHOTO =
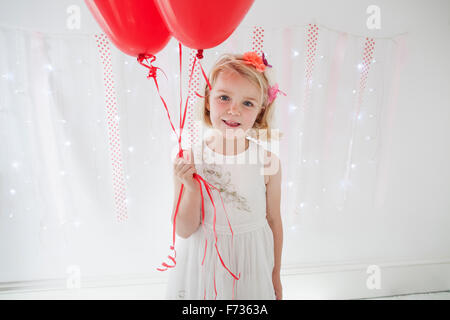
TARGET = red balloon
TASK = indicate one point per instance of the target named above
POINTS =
(134, 26)
(203, 24)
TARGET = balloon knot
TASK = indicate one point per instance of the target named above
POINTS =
(200, 54)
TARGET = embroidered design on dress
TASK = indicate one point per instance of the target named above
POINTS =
(222, 180)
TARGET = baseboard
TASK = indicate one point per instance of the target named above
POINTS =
(325, 281)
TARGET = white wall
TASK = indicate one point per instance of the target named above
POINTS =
(417, 209)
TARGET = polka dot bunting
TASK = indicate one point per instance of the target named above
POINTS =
(258, 40)
(119, 188)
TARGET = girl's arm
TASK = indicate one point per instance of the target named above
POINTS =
(189, 215)
(273, 199)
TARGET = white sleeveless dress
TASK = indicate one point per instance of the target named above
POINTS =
(250, 252)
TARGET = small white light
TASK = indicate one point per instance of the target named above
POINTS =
(129, 90)
(360, 116)
(12, 191)
(11, 215)
(300, 133)
(360, 66)
(125, 62)
(317, 207)
(302, 204)
(117, 118)
(345, 183)
(49, 67)
(316, 161)
(368, 138)
(8, 76)
(295, 52)
(76, 223)
(94, 149)
(128, 177)
(68, 143)
(62, 173)
(324, 189)
(304, 160)
(321, 57)
(290, 184)
(292, 107)
(99, 177)
(354, 91)
(373, 61)
(63, 121)
(131, 149)
(319, 85)
(370, 89)
(353, 166)
(79, 61)
(15, 164)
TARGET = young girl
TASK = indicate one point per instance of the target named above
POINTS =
(237, 254)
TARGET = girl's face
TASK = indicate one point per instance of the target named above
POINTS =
(234, 104)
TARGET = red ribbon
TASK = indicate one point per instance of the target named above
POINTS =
(153, 74)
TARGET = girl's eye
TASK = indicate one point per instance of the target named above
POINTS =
(224, 98)
(248, 104)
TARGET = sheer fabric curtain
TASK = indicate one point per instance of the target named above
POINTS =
(86, 147)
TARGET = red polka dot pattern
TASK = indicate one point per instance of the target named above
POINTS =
(313, 34)
(367, 60)
(258, 40)
(104, 50)
(311, 46)
(193, 115)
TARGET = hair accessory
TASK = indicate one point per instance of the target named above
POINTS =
(273, 92)
(260, 63)
(265, 61)
(254, 59)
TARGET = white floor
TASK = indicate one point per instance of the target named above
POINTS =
(443, 295)
(157, 292)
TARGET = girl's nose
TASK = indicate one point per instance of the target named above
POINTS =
(234, 109)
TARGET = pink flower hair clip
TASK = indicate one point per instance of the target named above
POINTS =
(273, 92)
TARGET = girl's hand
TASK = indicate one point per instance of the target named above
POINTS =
(276, 280)
(184, 170)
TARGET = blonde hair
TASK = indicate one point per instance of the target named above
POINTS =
(235, 63)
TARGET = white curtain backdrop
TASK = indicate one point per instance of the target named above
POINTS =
(61, 181)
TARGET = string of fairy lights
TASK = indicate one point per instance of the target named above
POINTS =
(10, 81)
